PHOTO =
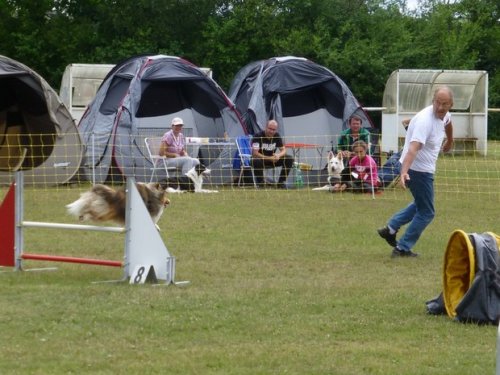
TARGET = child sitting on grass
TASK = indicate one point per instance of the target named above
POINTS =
(360, 176)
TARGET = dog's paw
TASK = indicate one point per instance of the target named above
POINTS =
(323, 188)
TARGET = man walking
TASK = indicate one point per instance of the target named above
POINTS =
(423, 142)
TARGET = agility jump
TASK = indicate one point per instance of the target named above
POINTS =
(145, 254)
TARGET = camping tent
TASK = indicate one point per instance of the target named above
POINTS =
(138, 99)
(311, 104)
(37, 132)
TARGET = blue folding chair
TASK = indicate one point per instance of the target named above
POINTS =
(243, 158)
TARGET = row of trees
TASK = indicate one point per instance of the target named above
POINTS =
(362, 41)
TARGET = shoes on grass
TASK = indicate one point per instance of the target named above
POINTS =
(387, 236)
(397, 253)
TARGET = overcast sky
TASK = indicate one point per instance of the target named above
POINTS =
(412, 4)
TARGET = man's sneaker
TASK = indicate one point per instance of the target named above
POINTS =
(386, 235)
(401, 253)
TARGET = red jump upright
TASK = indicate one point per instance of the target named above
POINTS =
(8, 225)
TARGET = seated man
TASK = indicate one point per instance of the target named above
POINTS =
(173, 146)
(355, 133)
(268, 151)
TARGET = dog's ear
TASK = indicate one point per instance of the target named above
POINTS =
(330, 155)
(339, 155)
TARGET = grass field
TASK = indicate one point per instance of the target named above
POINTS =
(290, 282)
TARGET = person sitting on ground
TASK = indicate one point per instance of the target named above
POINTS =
(389, 172)
(355, 133)
(360, 176)
(268, 151)
(173, 147)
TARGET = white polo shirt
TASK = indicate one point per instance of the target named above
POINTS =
(428, 130)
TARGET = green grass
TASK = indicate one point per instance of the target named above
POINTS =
(294, 282)
(280, 283)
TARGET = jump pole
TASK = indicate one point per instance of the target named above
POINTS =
(20, 224)
(146, 257)
(56, 258)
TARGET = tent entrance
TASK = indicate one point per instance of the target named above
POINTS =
(471, 277)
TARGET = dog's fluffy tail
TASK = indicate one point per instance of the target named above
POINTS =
(76, 208)
(97, 200)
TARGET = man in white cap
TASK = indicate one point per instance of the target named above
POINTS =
(173, 146)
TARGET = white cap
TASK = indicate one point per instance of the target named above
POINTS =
(177, 121)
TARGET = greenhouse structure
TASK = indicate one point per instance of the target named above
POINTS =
(408, 91)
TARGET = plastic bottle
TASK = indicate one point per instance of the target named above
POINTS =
(299, 181)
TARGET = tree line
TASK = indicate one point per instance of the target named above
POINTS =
(362, 41)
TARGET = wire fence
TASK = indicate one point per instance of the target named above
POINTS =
(55, 161)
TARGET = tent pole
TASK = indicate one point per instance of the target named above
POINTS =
(370, 154)
(93, 158)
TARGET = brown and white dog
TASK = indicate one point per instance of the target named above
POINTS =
(103, 203)
(335, 167)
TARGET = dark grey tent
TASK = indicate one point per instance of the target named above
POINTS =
(311, 104)
(138, 99)
(37, 132)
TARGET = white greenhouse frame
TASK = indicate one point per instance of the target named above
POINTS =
(407, 91)
(79, 84)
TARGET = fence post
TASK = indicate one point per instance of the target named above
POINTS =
(498, 350)
(18, 220)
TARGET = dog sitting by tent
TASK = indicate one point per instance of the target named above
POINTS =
(103, 203)
(191, 182)
(334, 167)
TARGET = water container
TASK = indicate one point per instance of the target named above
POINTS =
(299, 180)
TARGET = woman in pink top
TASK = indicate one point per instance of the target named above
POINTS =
(173, 146)
(363, 169)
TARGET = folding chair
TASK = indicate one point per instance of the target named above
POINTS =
(243, 157)
(153, 147)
